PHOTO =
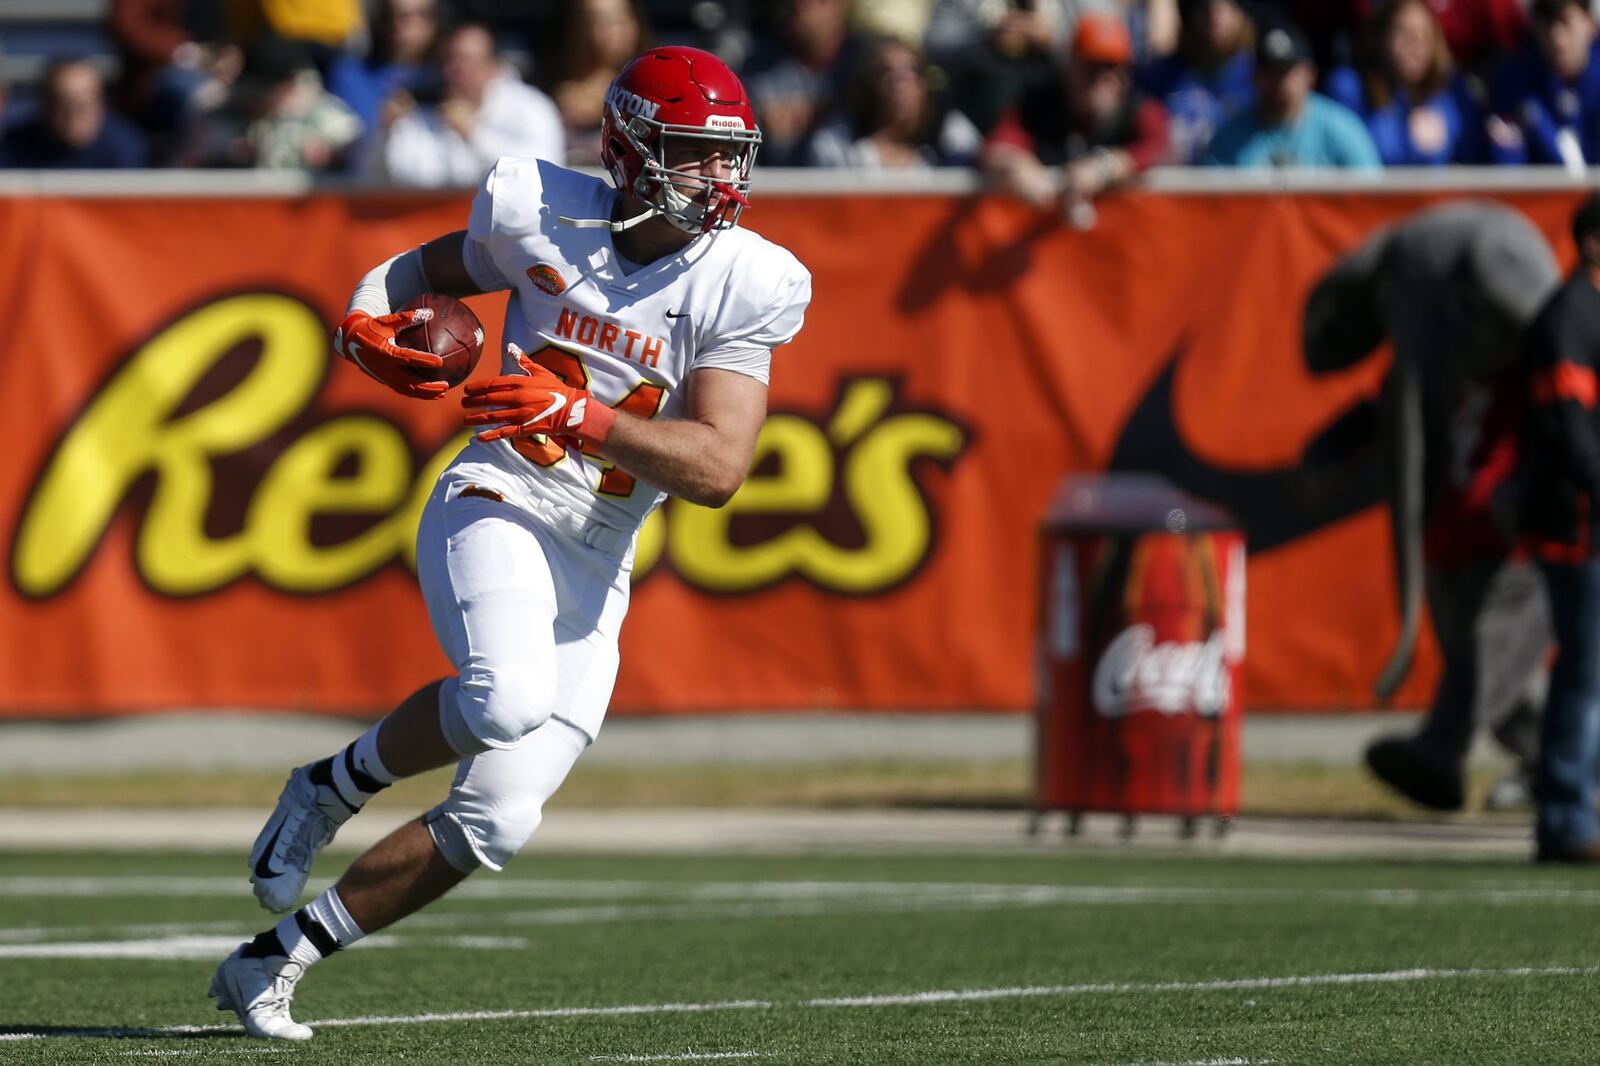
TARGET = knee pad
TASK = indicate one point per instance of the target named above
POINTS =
(469, 839)
(494, 707)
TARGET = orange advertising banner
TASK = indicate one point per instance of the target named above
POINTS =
(202, 509)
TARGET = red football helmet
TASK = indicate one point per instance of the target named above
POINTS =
(669, 93)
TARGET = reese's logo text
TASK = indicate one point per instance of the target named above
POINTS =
(210, 438)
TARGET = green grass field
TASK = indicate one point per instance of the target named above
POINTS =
(1028, 958)
(1269, 788)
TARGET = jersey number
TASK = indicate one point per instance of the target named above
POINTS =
(643, 401)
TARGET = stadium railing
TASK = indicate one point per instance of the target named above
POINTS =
(818, 182)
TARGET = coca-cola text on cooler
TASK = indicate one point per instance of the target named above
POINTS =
(1137, 673)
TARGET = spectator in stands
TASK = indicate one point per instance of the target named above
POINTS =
(1092, 123)
(168, 75)
(797, 77)
(6, 118)
(893, 120)
(1560, 493)
(597, 37)
(279, 116)
(1331, 27)
(484, 111)
(1546, 101)
(405, 36)
(997, 51)
(1480, 31)
(1011, 27)
(1156, 26)
(1211, 76)
(1291, 126)
(1418, 111)
(74, 130)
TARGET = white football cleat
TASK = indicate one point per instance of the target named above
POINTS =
(259, 991)
(288, 844)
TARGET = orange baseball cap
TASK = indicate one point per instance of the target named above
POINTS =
(1103, 37)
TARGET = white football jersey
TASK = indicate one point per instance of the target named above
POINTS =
(631, 339)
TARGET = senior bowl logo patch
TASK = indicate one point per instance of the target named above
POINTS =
(547, 278)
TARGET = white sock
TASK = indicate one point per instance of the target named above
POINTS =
(318, 929)
(351, 777)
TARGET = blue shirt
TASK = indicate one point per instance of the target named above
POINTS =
(1198, 102)
(1326, 134)
(365, 84)
(1541, 112)
(1445, 128)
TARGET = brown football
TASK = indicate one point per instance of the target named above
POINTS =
(454, 334)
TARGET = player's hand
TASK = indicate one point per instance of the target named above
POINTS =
(368, 342)
(535, 403)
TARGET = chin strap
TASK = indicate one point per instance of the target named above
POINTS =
(606, 223)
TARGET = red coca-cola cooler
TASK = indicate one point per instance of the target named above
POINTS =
(1141, 640)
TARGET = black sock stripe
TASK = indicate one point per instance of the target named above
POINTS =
(364, 781)
(322, 772)
(264, 945)
(314, 932)
(322, 777)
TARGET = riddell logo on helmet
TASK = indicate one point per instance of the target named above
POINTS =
(725, 122)
(631, 103)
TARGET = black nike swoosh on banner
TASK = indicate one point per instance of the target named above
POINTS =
(1265, 502)
(262, 869)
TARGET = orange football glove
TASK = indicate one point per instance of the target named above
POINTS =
(368, 342)
(536, 403)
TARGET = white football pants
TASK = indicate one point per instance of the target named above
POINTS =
(529, 614)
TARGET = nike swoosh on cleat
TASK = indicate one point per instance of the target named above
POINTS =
(262, 869)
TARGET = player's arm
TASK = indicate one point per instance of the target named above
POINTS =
(453, 265)
(702, 458)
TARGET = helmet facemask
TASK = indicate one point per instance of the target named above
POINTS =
(694, 203)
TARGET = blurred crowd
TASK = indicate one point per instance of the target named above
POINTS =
(428, 92)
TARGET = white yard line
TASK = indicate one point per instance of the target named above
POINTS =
(688, 1056)
(715, 901)
(208, 1052)
(187, 948)
(888, 891)
(906, 999)
(1206, 1062)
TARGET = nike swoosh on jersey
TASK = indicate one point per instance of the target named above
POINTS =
(558, 401)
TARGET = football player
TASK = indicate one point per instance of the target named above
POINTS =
(638, 339)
